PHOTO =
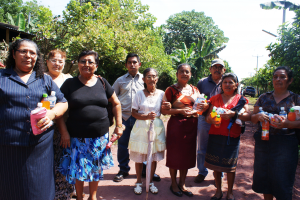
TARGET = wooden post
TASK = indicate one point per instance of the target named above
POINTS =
(7, 36)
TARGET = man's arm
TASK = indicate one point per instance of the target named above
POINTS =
(116, 87)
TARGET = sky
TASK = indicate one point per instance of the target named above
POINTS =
(241, 21)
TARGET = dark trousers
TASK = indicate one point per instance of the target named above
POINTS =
(123, 154)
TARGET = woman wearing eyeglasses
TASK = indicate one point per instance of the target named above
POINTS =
(55, 64)
(88, 125)
(26, 169)
(223, 142)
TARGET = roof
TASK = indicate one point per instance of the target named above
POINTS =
(14, 28)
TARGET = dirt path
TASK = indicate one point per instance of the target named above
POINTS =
(242, 188)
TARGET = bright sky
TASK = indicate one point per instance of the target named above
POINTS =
(241, 21)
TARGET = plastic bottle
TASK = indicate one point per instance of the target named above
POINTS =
(52, 99)
(112, 140)
(35, 116)
(45, 101)
(200, 99)
(218, 121)
(292, 115)
(265, 129)
(213, 112)
(283, 114)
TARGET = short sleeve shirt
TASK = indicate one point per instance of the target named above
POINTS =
(144, 104)
(126, 87)
(88, 117)
(208, 87)
(17, 100)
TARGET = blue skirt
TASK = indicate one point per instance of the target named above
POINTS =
(275, 165)
(86, 159)
(220, 156)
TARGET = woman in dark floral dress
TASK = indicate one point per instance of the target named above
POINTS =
(276, 159)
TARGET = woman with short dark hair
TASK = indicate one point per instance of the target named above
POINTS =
(26, 169)
(276, 159)
(88, 125)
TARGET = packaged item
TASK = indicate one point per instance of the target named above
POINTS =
(45, 101)
(274, 118)
(297, 112)
(282, 113)
(52, 99)
(265, 129)
(238, 121)
(292, 115)
(218, 121)
(220, 111)
(213, 112)
(35, 116)
(112, 140)
(200, 99)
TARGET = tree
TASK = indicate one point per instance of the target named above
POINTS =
(113, 29)
(287, 53)
(13, 7)
(188, 27)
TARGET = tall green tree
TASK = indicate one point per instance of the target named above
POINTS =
(188, 27)
(13, 7)
(287, 52)
(112, 29)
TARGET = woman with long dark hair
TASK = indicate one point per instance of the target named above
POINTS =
(26, 170)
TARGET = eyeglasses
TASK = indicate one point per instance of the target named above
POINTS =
(83, 62)
(150, 77)
(55, 60)
(24, 52)
(217, 67)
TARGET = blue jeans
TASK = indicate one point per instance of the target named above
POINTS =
(123, 154)
(202, 139)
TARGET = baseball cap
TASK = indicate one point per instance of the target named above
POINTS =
(217, 61)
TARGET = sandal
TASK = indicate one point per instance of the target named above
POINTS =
(138, 189)
(153, 189)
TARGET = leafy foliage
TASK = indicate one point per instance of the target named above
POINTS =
(287, 53)
(188, 27)
(112, 28)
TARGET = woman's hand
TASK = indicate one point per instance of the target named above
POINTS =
(46, 122)
(187, 111)
(65, 139)
(166, 105)
(262, 117)
(203, 106)
(211, 120)
(151, 115)
(119, 131)
(282, 122)
(227, 115)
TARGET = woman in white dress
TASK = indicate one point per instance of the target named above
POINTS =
(145, 108)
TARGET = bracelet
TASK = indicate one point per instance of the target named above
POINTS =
(121, 126)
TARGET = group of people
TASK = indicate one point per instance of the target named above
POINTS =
(73, 151)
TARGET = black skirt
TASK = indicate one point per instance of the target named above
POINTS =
(27, 172)
(220, 156)
(275, 165)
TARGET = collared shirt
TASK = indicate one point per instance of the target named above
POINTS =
(17, 100)
(209, 87)
(126, 87)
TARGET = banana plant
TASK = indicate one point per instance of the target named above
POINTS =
(19, 21)
(184, 55)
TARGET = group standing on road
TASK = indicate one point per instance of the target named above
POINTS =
(48, 165)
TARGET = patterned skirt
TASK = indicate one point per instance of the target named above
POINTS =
(63, 189)
(86, 159)
(220, 156)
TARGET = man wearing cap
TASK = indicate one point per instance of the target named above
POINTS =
(210, 86)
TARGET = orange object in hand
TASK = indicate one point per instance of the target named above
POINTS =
(213, 113)
(45, 101)
(292, 115)
(218, 121)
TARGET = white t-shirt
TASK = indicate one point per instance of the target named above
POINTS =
(148, 104)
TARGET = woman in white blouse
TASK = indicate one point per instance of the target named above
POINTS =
(145, 108)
